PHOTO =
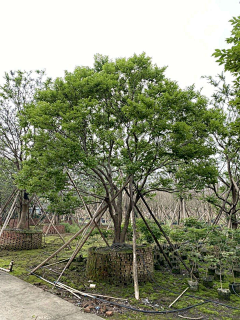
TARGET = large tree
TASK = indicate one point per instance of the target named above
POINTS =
(17, 90)
(105, 124)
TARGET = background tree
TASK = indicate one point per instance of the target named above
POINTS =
(230, 59)
(17, 90)
(6, 181)
(225, 138)
(110, 122)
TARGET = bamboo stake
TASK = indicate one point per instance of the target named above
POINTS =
(53, 264)
(178, 298)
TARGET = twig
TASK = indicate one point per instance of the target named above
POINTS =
(184, 317)
(178, 297)
(84, 293)
(6, 270)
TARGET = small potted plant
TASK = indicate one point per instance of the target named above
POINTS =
(222, 256)
(222, 293)
(194, 256)
(210, 263)
(234, 286)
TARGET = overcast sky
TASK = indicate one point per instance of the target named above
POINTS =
(59, 35)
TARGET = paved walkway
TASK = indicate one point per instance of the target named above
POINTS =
(20, 300)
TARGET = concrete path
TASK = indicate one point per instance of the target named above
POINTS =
(20, 300)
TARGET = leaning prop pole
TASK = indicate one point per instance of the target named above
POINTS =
(61, 248)
(8, 201)
(52, 220)
(51, 224)
(86, 207)
(153, 235)
(80, 231)
(163, 232)
(79, 247)
(9, 214)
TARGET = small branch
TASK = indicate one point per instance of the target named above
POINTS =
(184, 317)
(178, 297)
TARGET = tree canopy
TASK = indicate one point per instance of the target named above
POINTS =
(104, 124)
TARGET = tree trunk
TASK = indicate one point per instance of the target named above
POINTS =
(24, 214)
(120, 231)
(56, 219)
(117, 233)
(232, 215)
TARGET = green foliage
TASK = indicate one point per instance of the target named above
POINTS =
(127, 112)
(70, 228)
(195, 234)
(108, 234)
(230, 57)
(63, 203)
(178, 235)
(145, 233)
(193, 222)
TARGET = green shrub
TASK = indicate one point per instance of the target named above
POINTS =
(145, 233)
(107, 233)
(178, 235)
(70, 228)
(193, 222)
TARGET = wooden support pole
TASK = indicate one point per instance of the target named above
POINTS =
(135, 271)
